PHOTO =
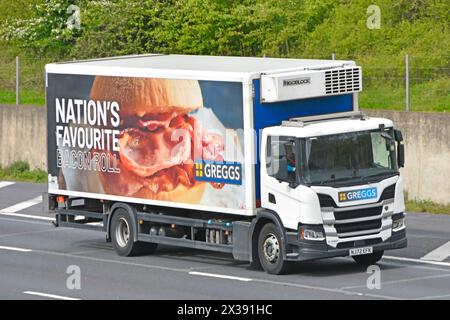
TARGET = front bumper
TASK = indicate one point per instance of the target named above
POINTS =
(304, 250)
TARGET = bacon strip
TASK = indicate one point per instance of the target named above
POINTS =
(160, 152)
(147, 153)
(158, 121)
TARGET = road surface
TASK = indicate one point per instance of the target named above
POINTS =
(37, 261)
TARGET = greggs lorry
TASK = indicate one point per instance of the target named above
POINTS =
(266, 159)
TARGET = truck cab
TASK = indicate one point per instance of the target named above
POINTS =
(334, 183)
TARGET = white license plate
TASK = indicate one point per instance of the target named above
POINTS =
(360, 251)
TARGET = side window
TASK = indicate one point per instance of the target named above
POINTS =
(379, 150)
(279, 164)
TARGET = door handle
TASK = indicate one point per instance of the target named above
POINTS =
(272, 198)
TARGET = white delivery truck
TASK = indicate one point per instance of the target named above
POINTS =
(266, 159)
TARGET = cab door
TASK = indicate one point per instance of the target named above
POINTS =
(279, 183)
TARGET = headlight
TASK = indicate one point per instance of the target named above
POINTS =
(398, 224)
(310, 234)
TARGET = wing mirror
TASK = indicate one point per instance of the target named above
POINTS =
(398, 135)
(400, 148)
(401, 155)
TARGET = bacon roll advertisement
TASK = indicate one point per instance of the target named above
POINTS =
(154, 139)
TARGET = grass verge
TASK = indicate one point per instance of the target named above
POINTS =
(27, 97)
(427, 206)
(426, 96)
(20, 171)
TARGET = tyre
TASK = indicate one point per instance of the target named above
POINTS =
(255, 264)
(369, 259)
(270, 248)
(122, 235)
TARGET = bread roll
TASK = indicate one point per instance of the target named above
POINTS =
(147, 96)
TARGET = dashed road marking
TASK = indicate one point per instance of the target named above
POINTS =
(442, 296)
(437, 263)
(438, 254)
(28, 216)
(12, 210)
(22, 205)
(402, 281)
(49, 295)
(222, 276)
(256, 280)
(15, 249)
(24, 221)
(6, 184)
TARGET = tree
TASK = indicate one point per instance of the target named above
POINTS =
(47, 31)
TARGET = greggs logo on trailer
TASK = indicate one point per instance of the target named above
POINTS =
(218, 172)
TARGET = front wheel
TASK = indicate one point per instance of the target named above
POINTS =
(123, 233)
(270, 250)
(369, 259)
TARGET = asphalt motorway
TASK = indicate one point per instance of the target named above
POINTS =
(38, 260)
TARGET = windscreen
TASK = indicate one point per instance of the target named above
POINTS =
(345, 157)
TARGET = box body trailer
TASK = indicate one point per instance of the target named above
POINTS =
(268, 159)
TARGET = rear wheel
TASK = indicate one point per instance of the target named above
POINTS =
(270, 249)
(123, 234)
(368, 259)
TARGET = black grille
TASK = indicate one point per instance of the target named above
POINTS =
(358, 226)
(361, 213)
(388, 193)
(326, 201)
(360, 243)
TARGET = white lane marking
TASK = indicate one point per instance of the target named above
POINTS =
(21, 215)
(25, 221)
(5, 184)
(402, 281)
(48, 295)
(432, 297)
(15, 249)
(149, 266)
(294, 285)
(438, 254)
(213, 275)
(22, 205)
(379, 296)
(100, 260)
(332, 290)
(415, 266)
(437, 263)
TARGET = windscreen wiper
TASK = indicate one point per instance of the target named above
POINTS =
(380, 174)
(340, 179)
(387, 136)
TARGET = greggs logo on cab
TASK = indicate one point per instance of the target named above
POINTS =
(219, 172)
(361, 194)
